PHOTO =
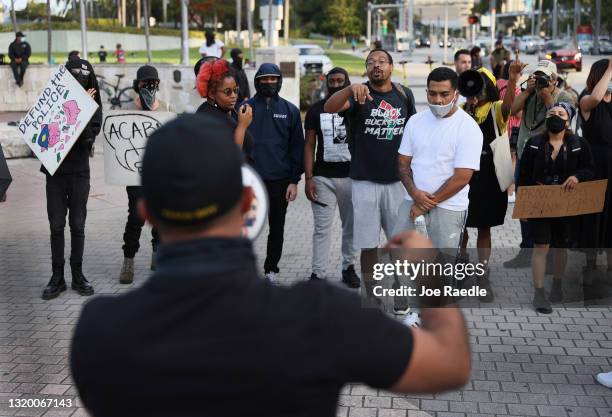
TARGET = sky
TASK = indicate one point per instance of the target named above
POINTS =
(56, 5)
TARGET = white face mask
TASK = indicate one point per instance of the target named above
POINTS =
(610, 87)
(441, 110)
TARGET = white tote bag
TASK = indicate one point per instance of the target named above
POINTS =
(501, 156)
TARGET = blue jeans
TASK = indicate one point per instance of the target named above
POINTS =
(527, 239)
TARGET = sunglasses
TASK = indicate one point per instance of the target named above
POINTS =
(229, 91)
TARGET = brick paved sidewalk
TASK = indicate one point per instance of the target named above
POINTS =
(524, 364)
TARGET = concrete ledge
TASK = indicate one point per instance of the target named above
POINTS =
(12, 142)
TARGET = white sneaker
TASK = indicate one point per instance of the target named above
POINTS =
(605, 379)
(512, 198)
(272, 278)
(412, 319)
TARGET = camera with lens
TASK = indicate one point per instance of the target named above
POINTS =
(552, 180)
(542, 81)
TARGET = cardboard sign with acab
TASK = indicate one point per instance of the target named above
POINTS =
(57, 119)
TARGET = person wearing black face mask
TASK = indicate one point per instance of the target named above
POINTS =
(327, 181)
(240, 75)
(146, 85)
(68, 191)
(278, 152)
(557, 157)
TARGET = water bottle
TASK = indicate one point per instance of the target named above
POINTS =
(420, 225)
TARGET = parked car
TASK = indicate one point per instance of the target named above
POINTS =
(313, 60)
(605, 47)
(564, 54)
(532, 44)
(423, 42)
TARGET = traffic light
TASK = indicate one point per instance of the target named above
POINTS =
(385, 27)
(473, 20)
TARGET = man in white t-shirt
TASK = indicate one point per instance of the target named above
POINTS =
(439, 152)
(212, 47)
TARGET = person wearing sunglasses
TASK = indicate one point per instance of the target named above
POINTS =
(146, 86)
(217, 84)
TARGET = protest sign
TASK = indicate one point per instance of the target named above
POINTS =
(552, 201)
(5, 176)
(125, 135)
(52, 126)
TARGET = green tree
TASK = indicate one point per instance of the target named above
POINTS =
(341, 19)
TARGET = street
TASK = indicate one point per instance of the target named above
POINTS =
(524, 364)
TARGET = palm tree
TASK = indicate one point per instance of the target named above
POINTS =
(49, 32)
(145, 4)
(14, 17)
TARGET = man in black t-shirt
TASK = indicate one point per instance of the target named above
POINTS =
(327, 181)
(377, 113)
(206, 330)
(102, 54)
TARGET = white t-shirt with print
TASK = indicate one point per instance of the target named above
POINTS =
(212, 50)
(437, 147)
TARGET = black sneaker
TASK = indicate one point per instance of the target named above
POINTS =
(314, 277)
(350, 277)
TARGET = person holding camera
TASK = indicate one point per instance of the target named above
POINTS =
(534, 101)
(68, 191)
(557, 157)
(488, 204)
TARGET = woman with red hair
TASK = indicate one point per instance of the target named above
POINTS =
(217, 84)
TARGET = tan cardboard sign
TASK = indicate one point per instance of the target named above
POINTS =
(552, 201)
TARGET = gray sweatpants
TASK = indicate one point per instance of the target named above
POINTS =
(332, 191)
(444, 227)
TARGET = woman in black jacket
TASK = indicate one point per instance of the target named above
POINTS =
(557, 157)
(217, 84)
(68, 191)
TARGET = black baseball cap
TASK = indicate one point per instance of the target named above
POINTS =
(147, 72)
(19, 34)
(191, 170)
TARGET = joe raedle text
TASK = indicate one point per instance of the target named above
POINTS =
(429, 271)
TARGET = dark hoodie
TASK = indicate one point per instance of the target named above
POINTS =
(279, 137)
(241, 78)
(77, 160)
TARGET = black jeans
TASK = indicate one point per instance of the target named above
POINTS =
(19, 70)
(133, 227)
(67, 194)
(277, 191)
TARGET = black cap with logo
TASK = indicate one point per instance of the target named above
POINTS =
(191, 170)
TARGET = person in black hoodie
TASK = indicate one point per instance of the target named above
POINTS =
(240, 75)
(67, 192)
(279, 155)
(557, 157)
